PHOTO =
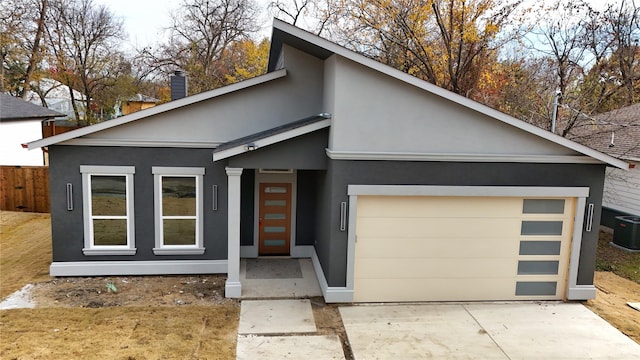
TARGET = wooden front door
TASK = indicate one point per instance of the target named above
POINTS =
(274, 222)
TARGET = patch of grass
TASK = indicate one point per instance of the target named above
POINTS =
(25, 249)
(620, 262)
(189, 332)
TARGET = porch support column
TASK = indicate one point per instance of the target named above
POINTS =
(233, 288)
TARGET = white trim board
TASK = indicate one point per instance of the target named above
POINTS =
(331, 294)
(541, 159)
(163, 267)
(172, 105)
(435, 190)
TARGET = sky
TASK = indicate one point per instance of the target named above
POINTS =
(145, 19)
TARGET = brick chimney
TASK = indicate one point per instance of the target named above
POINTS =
(178, 85)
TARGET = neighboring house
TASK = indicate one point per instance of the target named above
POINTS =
(20, 122)
(617, 133)
(57, 97)
(136, 103)
(398, 190)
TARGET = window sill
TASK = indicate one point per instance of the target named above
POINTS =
(169, 251)
(95, 251)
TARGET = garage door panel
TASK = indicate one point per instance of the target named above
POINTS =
(443, 227)
(402, 206)
(470, 247)
(424, 248)
(402, 268)
(434, 290)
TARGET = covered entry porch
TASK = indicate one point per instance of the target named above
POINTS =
(272, 196)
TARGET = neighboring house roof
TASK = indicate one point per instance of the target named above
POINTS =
(14, 109)
(54, 89)
(142, 98)
(322, 48)
(616, 133)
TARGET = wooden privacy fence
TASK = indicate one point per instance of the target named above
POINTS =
(24, 188)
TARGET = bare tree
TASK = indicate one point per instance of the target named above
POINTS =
(200, 32)
(82, 38)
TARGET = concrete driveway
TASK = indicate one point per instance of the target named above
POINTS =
(483, 331)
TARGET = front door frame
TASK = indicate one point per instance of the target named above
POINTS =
(271, 176)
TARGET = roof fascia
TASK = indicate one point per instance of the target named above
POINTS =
(446, 94)
(269, 140)
(172, 105)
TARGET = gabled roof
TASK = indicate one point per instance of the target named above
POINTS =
(323, 49)
(615, 132)
(14, 109)
(271, 136)
(142, 114)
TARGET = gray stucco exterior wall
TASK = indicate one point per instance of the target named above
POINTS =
(332, 243)
(67, 226)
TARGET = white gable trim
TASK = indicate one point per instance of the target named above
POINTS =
(172, 105)
(143, 143)
(243, 148)
(446, 94)
(394, 156)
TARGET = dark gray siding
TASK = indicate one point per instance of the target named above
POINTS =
(247, 183)
(332, 243)
(67, 226)
(302, 152)
(306, 207)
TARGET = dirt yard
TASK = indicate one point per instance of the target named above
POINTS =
(169, 317)
(146, 317)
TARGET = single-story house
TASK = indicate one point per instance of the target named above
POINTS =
(398, 190)
(20, 122)
(617, 133)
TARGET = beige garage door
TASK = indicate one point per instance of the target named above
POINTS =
(424, 248)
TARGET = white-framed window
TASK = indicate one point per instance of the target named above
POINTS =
(107, 199)
(178, 210)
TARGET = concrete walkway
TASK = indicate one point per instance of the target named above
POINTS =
(282, 329)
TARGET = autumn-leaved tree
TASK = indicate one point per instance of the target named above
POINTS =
(446, 42)
(21, 43)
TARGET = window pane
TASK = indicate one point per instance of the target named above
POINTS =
(108, 195)
(179, 231)
(275, 203)
(536, 288)
(543, 206)
(275, 216)
(541, 228)
(274, 243)
(538, 267)
(110, 232)
(274, 229)
(539, 248)
(178, 196)
(275, 189)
